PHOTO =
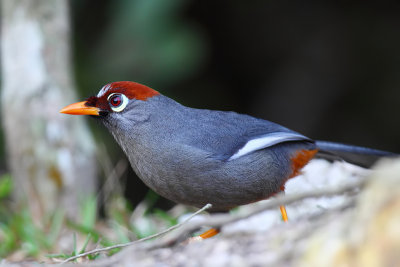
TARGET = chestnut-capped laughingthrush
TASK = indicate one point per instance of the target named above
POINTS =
(197, 156)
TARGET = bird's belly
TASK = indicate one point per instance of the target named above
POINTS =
(223, 184)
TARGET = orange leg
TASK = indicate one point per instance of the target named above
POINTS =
(282, 207)
(284, 214)
(209, 233)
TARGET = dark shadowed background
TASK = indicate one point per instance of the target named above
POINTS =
(328, 70)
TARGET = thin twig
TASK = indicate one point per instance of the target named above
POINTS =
(206, 207)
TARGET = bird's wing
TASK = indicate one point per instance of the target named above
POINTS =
(229, 135)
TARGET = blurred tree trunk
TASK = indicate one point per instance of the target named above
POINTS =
(50, 155)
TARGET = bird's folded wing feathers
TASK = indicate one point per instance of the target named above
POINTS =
(228, 136)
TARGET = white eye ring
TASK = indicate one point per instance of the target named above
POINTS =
(117, 101)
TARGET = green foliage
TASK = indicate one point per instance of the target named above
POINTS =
(88, 212)
(19, 232)
(74, 250)
(5, 185)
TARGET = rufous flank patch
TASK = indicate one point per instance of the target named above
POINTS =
(299, 160)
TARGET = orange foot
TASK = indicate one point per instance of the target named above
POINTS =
(209, 233)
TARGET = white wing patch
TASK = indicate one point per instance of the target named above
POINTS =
(266, 141)
(103, 90)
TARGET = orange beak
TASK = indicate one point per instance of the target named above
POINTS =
(80, 108)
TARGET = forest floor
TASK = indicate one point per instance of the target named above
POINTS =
(339, 215)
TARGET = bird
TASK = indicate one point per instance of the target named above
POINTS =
(198, 156)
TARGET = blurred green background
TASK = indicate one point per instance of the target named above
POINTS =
(329, 70)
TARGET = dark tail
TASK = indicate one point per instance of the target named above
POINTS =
(361, 156)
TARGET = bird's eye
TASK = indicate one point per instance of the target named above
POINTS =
(117, 102)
